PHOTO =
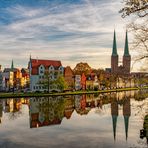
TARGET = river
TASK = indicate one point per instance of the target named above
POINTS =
(110, 120)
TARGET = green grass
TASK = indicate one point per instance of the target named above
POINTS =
(20, 95)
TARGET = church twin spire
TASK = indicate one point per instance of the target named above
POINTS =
(114, 52)
(126, 49)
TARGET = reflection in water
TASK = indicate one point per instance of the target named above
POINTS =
(144, 131)
(115, 102)
(52, 110)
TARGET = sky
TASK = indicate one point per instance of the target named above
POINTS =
(72, 31)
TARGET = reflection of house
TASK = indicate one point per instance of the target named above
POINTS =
(90, 101)
(46, 111)
(8, 105)
(1, 110)
(69, 106)
(43, 71)
(12, 105)
(80, 105)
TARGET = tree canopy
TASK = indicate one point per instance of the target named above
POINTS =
(139, 7)
(139, 27)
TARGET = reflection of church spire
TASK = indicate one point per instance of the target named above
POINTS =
(114, 120)
(126, 114)
(114, 113)
(126, 123)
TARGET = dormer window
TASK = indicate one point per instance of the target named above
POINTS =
(51, 68)
(61, 68)
(41, 69)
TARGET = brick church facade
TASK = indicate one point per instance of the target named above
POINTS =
(123, 69)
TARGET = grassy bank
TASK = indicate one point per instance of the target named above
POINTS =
(20, 95)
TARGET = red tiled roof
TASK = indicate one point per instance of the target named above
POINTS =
(35, 63)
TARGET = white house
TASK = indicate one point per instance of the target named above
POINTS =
(44, 70)
(7, 80)
(77, 82)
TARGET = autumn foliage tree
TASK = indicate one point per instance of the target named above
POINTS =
(82, 68)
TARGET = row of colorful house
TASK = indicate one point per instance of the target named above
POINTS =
(41, 73)
(82, 77)
(12, 79)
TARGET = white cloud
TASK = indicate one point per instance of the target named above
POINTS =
(85, 30)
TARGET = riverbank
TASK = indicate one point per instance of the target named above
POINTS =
(20, 95)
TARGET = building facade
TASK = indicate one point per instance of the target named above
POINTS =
(42, 72)
(123, 69)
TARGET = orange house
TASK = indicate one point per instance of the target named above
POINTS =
(69, 77)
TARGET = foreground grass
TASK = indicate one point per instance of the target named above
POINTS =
(20, 95)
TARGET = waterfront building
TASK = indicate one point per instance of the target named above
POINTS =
(69, 77)
(42, 72)
(25, 81)
(83, 81)
(8, 77)
(78, 82)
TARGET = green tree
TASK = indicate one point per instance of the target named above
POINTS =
(60, 83)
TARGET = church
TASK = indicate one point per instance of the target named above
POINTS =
(123, 69)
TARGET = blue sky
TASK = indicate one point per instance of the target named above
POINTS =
(66, 30)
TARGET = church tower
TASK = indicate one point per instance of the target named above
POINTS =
(114, 57)
(126, 57)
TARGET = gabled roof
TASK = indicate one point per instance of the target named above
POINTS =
(35, 63)
(11, 70)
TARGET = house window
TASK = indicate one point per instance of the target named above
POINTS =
(41, 71)
(34, 87)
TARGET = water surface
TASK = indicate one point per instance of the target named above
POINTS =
(110, 120)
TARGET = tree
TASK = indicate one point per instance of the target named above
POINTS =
(61, 83)
(138, 28)
(138, 7)
(82, 68)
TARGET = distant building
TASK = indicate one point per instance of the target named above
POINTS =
(44, 71)
(123, 69)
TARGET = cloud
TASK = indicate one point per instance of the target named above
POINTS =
(70, 31)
